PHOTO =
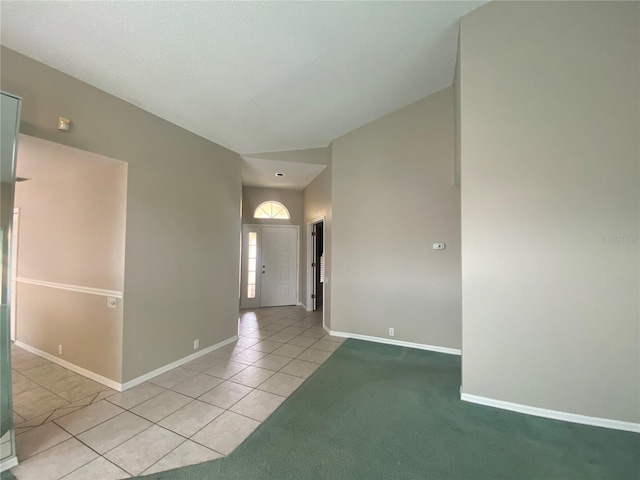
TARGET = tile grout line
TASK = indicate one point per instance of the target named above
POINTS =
(159, 425)
(192, 400)
(84, 465)
(217, 361)
(46, 387)
(161, 458)
(100, 456)
(69, 405)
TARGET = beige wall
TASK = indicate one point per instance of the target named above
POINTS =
(183, 212)
(90, 333)
(254, 196)
(72, 215)
(393, 196)
(317, 203)
(72, 232)
(550, 177)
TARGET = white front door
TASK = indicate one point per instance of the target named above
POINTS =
(269, 266)
(279, 266)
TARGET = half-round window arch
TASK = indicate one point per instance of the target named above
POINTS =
(272, 209)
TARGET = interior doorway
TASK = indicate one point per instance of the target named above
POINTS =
(67, 249)
(269, 266)
(315, 264)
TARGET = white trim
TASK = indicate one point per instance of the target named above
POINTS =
(8, 463)
(72, 288)
(302, 305)
(121, 387)
(13, 259)
(399, 343)
(177, 363)
(17, 97)
(553, 414)
(70, 366)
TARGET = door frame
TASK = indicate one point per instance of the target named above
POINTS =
(257, 302)
(13, 284)
(310, 259)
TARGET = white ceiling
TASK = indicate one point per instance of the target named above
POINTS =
(299, 166)
(260, 172)
(254, 77)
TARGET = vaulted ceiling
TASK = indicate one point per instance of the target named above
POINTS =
(251, 76)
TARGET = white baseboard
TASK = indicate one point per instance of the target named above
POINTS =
(553, 414)
(300, 304)
(8, 463)
(177, 363)
(71, 366)
(399, 343)
(121, 387)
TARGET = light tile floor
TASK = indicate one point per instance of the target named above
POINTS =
(73, 428)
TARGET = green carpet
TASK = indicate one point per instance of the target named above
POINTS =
(7, 476)
(376, 411)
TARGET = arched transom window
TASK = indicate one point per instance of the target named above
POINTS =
(271, 209)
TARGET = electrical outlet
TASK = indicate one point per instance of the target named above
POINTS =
(196, 344)
(392, 332)
(439, 246)
(112, 302)
(59, 349)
